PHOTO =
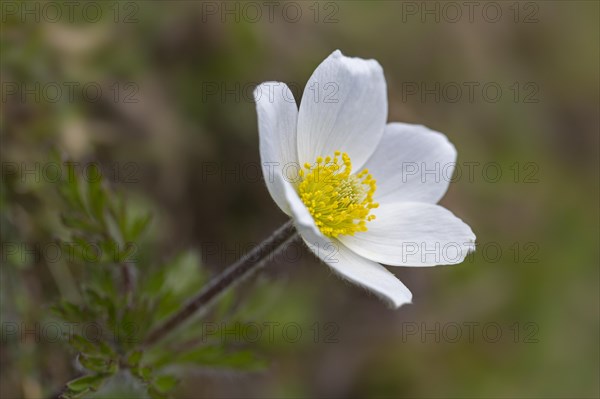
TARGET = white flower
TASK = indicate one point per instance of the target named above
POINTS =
(361, 192)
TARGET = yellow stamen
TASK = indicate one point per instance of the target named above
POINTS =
(338, 201)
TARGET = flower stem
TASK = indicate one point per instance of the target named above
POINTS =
(127, 277)
(235, 273)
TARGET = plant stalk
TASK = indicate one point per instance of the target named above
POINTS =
(249, 263)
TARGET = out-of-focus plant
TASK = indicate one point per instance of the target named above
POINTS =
(124, 297)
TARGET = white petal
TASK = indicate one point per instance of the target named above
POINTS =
(412, 163)
(413, 234)
(363, 272)
(342, 260)
(344, 107)
(303, 220)
(277, 119)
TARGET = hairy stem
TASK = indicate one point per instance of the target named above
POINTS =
(127, 283)
(235, 273)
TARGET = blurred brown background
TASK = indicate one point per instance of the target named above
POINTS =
(162, 99)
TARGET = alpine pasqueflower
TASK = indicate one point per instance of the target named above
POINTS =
(356, 184)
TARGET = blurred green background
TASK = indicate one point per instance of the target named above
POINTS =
(175, 80)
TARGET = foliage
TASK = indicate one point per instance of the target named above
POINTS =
(123, 298)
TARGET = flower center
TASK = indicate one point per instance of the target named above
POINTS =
(338, 202)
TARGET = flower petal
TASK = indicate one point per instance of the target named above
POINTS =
(344, 107)
(277, 119)
(413, 234)
(342, 260)
(412, 163)
(303, 220)
(363, 272)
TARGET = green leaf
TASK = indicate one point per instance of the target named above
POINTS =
(145, 373)
(76, 223)
(98, 301)
(69, 188)
(118, 212)
(88, 348)
(134, 359)
(69, 394)
(185, 274)
(165, 383)
(70, 312)
(85, 251)
(217, 356)
(138, 226)
(83, 345)
(110, 251)
(153, 282)
(105, 349)
(94, 363)
(243, 360)
(88, 382)
(96, 195)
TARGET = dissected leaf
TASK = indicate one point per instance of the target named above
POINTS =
(97, 364)
(88, 382)
(70, 312)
